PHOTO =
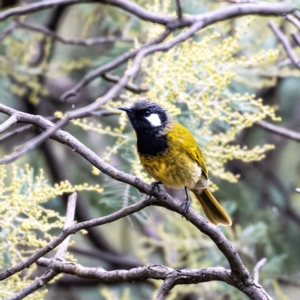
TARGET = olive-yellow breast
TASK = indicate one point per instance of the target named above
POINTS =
(170, 154)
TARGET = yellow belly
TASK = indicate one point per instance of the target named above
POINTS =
(175, 170)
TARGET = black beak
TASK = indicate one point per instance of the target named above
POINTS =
(127, 109)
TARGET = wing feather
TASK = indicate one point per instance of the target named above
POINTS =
(181, 138)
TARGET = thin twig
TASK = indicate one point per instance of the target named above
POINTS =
(63, 247)
(16, 131)
(293, 20)
(297, 14)
(286, 44)
(296, 38)
(258, 267)
(178, 9)
(129, 86)
(293, 135)
(7, 31)
(10, 121)
(78, 42)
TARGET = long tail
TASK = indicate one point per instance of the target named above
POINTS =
(214, 212)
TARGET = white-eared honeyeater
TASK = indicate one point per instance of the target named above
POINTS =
(170, 154)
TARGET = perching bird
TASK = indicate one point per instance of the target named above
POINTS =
(170, 154)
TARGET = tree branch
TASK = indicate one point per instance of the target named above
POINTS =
(293, 135)
(170, 276)
(258, 267)
(10, 121)
(286, 44)
(178, 9)
(129, 86)
(78, 42)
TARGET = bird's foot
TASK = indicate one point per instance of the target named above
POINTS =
(186, 204)
(154, 186)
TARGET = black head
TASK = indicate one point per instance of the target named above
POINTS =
(147, 117)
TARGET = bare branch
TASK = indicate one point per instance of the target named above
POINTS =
(37, 284)
(167, 285)
(78, 42)
(129, 86)
(296, 38)
(71, 206)
(257, 268)
(32, 144)
(170, 276)
(10, 121)
(286, 44)
(7, 31)
(178, 9)
(293, 135)
(294, 21)
(152, 271)
(297, 14)
(16, 131)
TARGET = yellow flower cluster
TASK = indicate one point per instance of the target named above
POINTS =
(25, 224)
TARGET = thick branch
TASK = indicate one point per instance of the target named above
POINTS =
(170, 276)
(150, 271)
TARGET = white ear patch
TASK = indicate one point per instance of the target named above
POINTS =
(154, 120)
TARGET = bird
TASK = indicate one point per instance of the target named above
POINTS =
(169, 153)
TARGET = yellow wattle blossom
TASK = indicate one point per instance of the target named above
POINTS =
(26, 224)
(193, 82)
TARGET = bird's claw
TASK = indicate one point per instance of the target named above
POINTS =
(186, 204)
(154, 186)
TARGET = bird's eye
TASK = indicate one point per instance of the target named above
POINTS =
(147, 113)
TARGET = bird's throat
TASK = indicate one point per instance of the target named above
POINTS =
(151, 144)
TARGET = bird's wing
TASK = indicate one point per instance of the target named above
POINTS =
(181, 138)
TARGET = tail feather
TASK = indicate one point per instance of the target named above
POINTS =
(214, 212)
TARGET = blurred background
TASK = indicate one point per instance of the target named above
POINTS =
(36, 69)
